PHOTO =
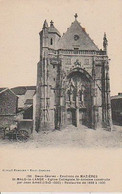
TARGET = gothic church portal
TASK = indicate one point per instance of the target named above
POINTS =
(72, 80)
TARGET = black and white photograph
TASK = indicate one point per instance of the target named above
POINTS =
(60, 78)
(69, 96)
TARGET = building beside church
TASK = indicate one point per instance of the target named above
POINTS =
(116, 106)
(72, 80)
(8, 106)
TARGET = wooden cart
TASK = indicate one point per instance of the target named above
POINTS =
(21, 131)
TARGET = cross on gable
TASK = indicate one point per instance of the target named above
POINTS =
(76, 15)
(51, 23)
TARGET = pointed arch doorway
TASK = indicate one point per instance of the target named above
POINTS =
(79, 98)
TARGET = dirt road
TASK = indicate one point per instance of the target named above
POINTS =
(71, 137)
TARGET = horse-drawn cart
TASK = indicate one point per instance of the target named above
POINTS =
(20, 131)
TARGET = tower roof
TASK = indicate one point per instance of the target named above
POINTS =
(76, 37)
(52, 29)
(45, 25)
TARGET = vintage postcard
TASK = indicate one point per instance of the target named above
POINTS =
(60, 96)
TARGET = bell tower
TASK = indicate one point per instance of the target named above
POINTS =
(42, 81)
(46, 78)
(54, 36)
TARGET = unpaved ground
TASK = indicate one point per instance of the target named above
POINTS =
(71, 137)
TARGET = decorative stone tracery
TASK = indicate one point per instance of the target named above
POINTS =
(72, 80)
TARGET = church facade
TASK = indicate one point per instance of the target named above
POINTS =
(72, 80)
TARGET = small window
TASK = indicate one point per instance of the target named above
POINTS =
(74, 95)
(51, 41)
(53, 66)
(54, 79)
(68, 95)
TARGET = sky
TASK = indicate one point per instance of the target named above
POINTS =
(21, 22)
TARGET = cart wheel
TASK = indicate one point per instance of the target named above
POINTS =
(22, 135)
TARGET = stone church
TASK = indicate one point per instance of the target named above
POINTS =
(72, 80)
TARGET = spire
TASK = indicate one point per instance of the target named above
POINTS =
(45, 25)
(76, 15)
(105, 42)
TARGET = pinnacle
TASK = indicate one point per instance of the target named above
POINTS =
(45, 25)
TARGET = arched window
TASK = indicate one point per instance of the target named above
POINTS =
(51, 41)
(74, 94)
(68, 95)
(80, 95)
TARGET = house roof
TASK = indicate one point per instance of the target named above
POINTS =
(1, 89)
(5, 89)
(76, 37)
(29, 94)
(21, 111)
(29, 101)
(21, 90)
(119, 96)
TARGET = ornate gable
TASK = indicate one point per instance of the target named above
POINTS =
(76, 38)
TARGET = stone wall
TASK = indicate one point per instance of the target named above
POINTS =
(6, 120)
(8, 103)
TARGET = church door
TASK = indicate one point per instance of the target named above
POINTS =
(78, 101)
(74, 117)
